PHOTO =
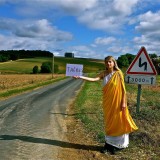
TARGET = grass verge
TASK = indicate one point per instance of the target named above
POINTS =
(144, 144)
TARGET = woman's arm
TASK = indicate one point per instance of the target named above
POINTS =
(87, 78)
(100, 76)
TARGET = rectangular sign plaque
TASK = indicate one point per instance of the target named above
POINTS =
(140, 79)
(74, 70)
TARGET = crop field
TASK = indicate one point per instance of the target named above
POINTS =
(11, 84)
(11, 81)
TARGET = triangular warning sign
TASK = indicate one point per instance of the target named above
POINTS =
(142, 64)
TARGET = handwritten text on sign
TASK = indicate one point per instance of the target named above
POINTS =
(74, 70)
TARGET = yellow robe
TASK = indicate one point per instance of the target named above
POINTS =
(116, 122)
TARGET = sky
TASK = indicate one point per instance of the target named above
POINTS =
(87, 28)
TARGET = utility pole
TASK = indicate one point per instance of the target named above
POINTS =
(52, 64)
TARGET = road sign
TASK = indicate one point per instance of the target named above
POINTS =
(140, 79)
(142, 64)
(141, 71)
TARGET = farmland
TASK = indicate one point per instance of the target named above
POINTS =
(22, 66)
(13, 84)
(16, 75)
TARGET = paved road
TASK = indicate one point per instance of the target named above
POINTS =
(32, 125)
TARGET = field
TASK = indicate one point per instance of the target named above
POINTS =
(11, 84)
(16, 77)
(144, 143)
(22, 66)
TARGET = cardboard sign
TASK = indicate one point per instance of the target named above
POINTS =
(74, 70)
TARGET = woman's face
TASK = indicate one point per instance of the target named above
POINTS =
(109, 64)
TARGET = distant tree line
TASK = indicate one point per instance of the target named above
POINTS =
(6, 55)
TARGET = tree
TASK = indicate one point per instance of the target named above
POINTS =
(46, 67)
(122, 61)
(130, 57)
(35, 69)
(153, 55)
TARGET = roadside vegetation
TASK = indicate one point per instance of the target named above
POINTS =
(144, 143)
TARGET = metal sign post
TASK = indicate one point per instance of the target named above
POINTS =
(138, 98)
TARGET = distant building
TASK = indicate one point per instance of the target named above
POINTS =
(69, 54)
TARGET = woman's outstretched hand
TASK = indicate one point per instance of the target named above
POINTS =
(77, 77)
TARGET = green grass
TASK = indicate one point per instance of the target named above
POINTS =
(144, 144)
(26, 65)
(22, 65)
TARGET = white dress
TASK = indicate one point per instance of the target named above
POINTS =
(117, 141)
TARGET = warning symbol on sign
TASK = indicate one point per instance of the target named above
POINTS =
(142, 64)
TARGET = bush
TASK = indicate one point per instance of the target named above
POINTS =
(35, 69)
(46, 67)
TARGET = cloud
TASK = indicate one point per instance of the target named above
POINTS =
(148, 26)
(149, 22)
(105, 15)
(104, 41)
(31, 35)
(75, 6)
(41, 29)
(108, 16)
(124, 7)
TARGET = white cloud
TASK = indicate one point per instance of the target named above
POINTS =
(124, 7)
(109, 16)
(75, 6)
(149, 22)
(104, 41)
(31, 35)
(148, 26)
(41, 29)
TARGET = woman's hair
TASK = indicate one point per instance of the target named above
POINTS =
(115, 63)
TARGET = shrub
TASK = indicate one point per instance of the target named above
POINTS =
(35, 69)
(46, 67)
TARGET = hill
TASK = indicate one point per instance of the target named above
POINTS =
(26, 65)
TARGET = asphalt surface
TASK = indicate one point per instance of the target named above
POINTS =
(32, 125)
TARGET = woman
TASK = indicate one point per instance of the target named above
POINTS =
(117, 120)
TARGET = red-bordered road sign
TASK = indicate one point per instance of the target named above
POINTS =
(142, 64)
